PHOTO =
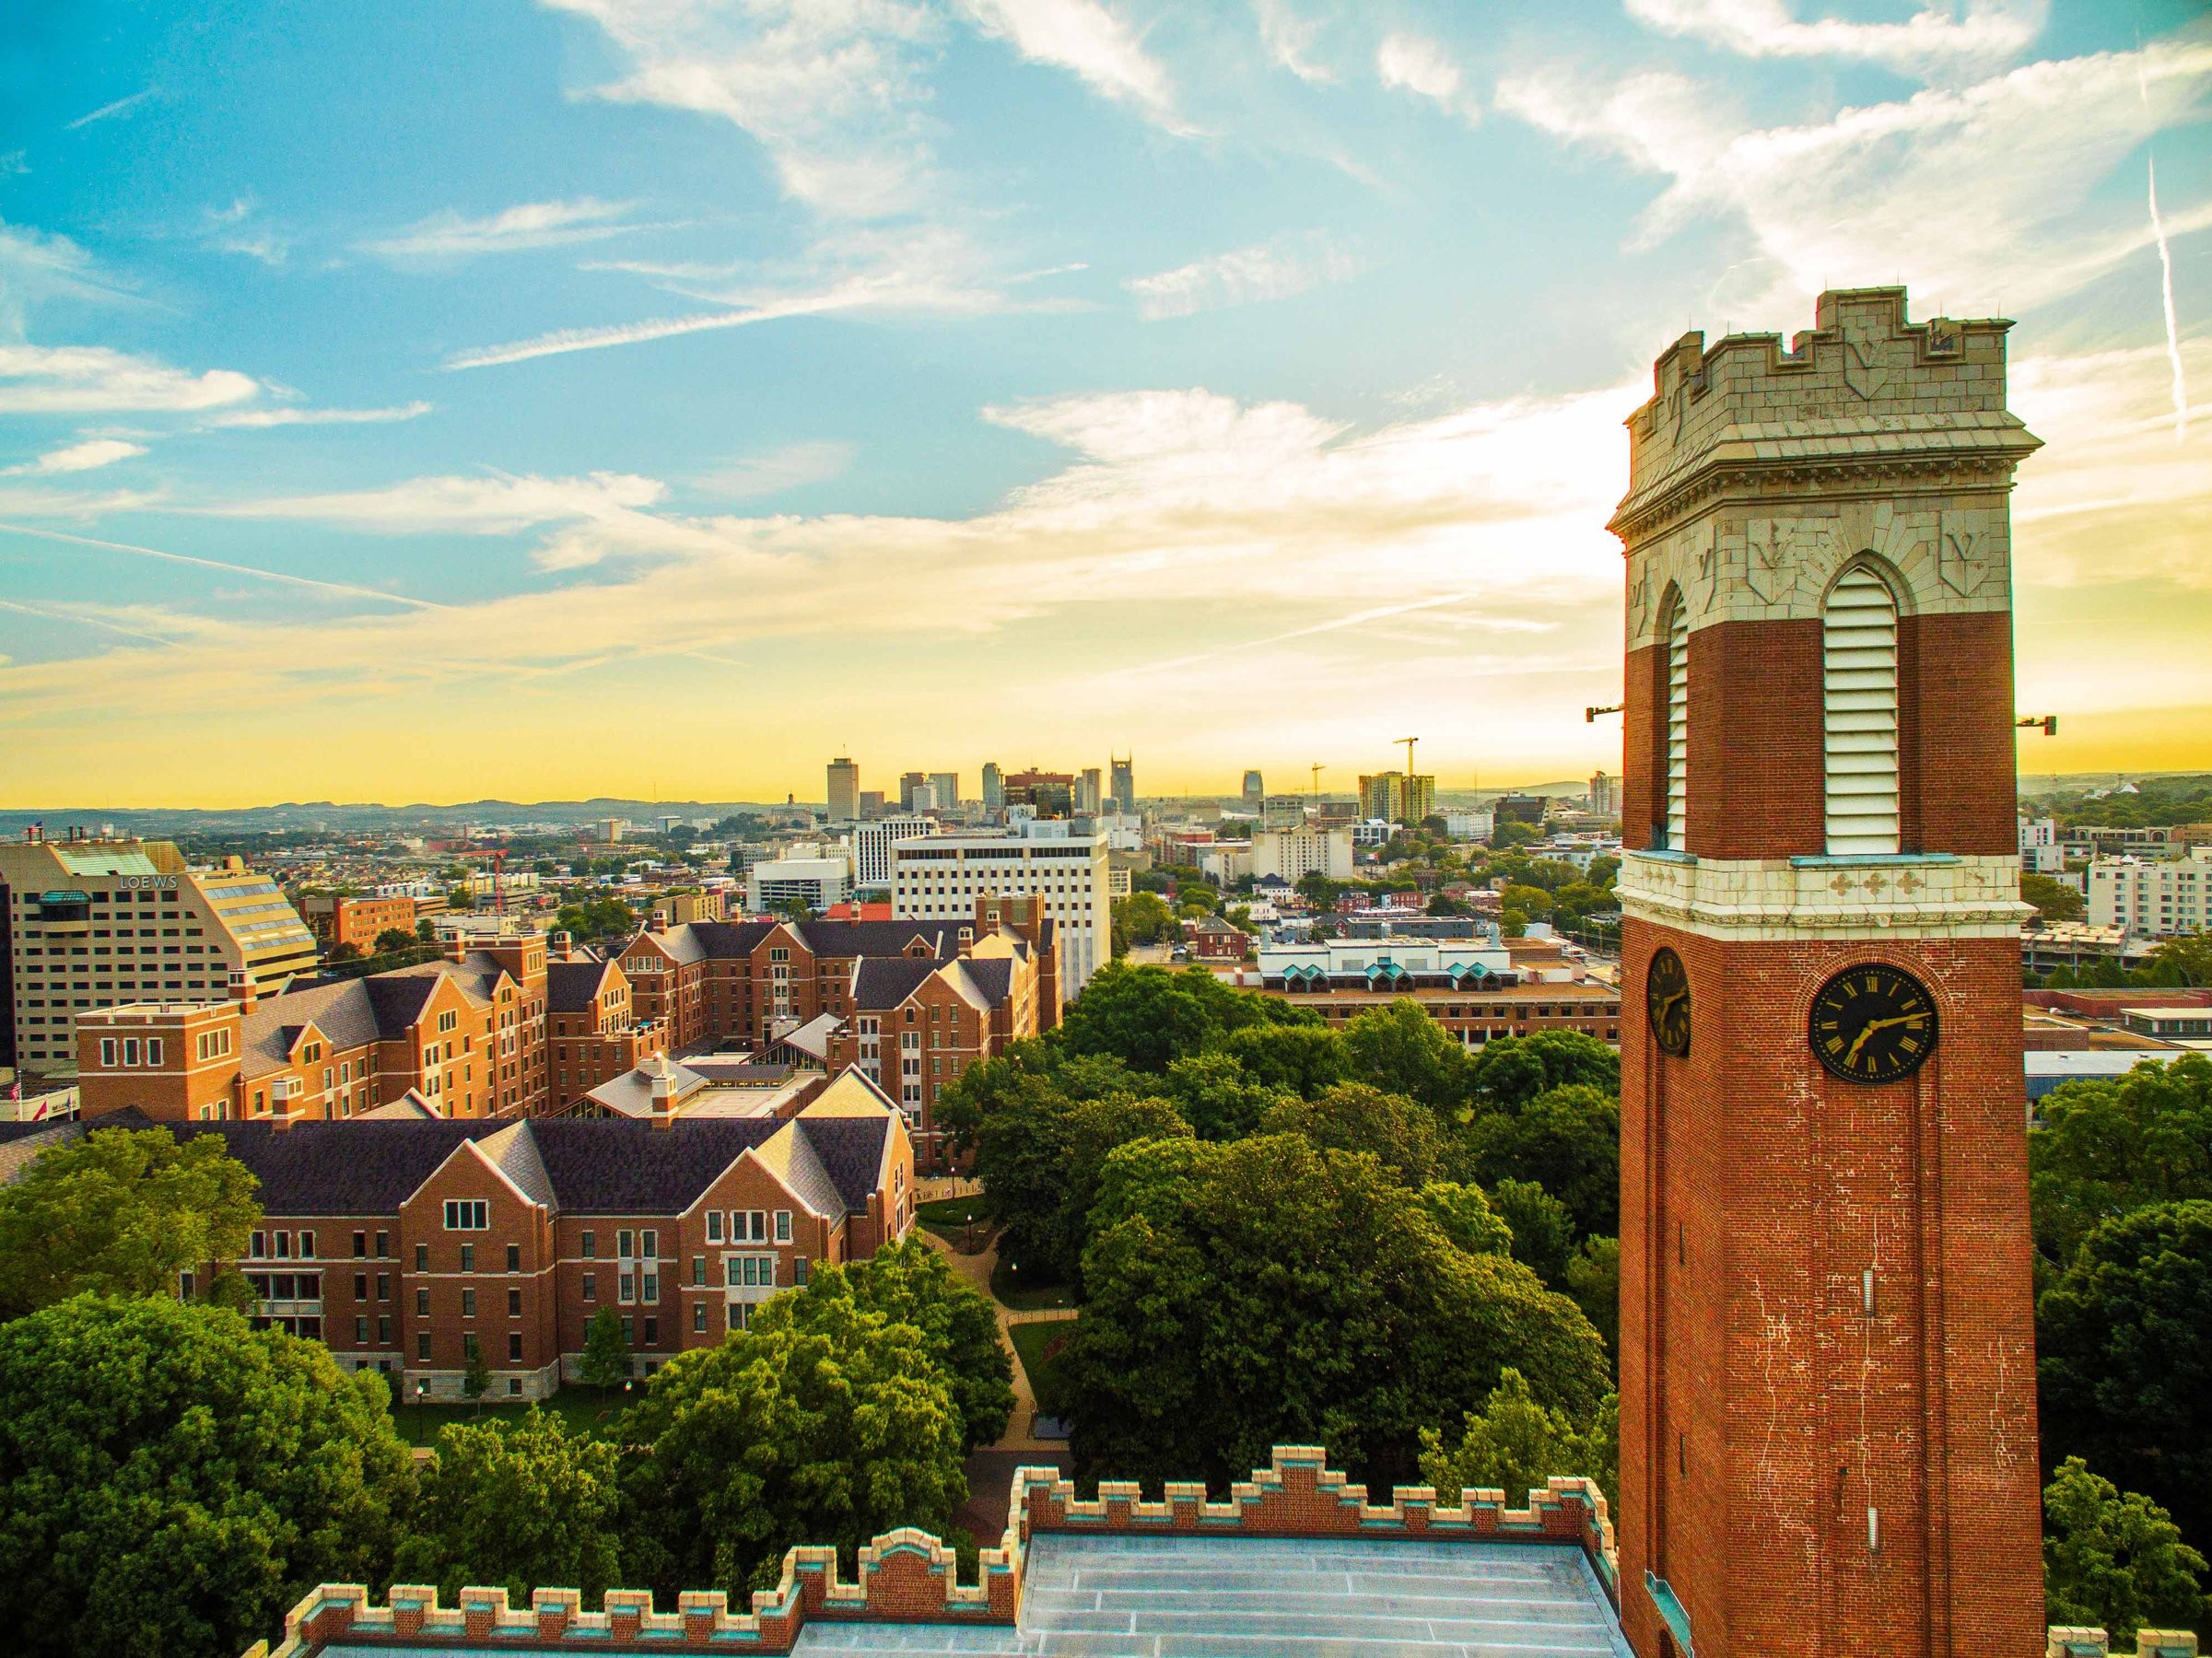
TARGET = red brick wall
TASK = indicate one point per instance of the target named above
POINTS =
(1643, 746)
(1755, 1189)
(1757, 771)
(1957, 740)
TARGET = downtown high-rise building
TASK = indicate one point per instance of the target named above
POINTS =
(994, 786)
(1090, 792)
(946, 785)
(844, 790)
(1123, 773)
(1255, 792)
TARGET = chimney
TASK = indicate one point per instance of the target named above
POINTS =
(662, 1077)
(243, 990)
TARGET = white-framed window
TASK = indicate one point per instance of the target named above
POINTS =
(1859, 639)
(783, 1226)
(467, 1214)
(714, 1226)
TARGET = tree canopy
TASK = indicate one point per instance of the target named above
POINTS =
(1270, 1291)
(2108, 1148)
(122, 1212)
(2112, 1561)
(171, 1482)
(828, 1430)
(523, 1505)
(1516, 1443)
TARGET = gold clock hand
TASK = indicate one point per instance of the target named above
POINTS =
(1868, 1029)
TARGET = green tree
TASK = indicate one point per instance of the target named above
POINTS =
(348, 951)
(1352, 1116)
(2108, 1147)
(1463, 1214)
(607, 1360)
(425, 932)
(2125, 1356)
(2052, 898)
(1522, 899)
(2186, 959)
(1510, 1071)
(476, 1374)
(909, 1283)
(523, 1505)
(1593, 1281)
(395, 938)
(831, 1433)
(1301, 1060)
(122, 1212)
(1516, 1443)
(2114, 1561)
(1269, 1292)
(1320, 891)
(1543, 1231)
(1402, 1050)
(1567, 1138)
(1146, 919)
(1215, 1095)
(1148, 1017)
(171, 1482)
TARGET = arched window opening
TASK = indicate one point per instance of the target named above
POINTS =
(1678, 725)
(1860, 659)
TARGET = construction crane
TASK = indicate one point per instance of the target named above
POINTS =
(1408, 741)
(1320, 767)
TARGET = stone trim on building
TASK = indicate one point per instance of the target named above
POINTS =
(1756, 899)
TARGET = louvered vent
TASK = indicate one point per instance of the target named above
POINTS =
(1678, 726)
(1859, 646)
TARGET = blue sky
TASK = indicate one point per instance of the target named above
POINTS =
(591, 397)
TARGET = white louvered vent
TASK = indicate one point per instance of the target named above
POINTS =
(1678, 726)
(1859, 654)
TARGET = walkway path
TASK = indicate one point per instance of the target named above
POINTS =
(977, 1269)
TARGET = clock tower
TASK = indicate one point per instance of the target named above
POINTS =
(1827, 1441)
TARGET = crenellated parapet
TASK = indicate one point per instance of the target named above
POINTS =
(2062, 1641)
(1300, 1496)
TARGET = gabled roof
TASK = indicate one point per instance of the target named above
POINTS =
(514, 1154)
(789, 1156)
(883, 982)
(573, 986)
(345, 1012)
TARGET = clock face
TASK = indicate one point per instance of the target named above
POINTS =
(1873, 1024)
(1666, 999)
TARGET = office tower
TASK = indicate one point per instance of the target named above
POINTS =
(844, 790)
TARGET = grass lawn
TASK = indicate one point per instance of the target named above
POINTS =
(585, 1409)
(1038, 1344)
(1024, 1298)
(960, 1221)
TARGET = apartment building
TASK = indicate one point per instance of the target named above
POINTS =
(88, 924)
(943, 878)
(1289, 854)
(594, 1029)
(355, 921)
(1471, 988)
(401, 1245)
(758, 982)
(2153, 900)
(870, 845)
(780, 882)
(464, 1036)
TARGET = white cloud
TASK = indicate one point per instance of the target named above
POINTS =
(1930, 191)
(79, 457)
(449, 235)
(832, 92)
(49, 379)
(37, 266)
(1087, 37)
(791, 467)
(494, 505)
(1273, 270)
(1411, 63)
(1289, 38)
(1984, 30)
(256, 418)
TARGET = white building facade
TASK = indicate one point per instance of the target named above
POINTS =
(1288, 854)
(939, 878)
(816, 882)
(2153, 899)
(870, 847)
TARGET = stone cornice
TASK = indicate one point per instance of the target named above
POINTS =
(1931, 896)
(1739, 470)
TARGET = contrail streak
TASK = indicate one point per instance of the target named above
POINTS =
(346, 587)
(2173, 337)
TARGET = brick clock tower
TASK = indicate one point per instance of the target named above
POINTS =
(1827, 1441)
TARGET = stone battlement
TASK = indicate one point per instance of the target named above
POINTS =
(1863, 382)
(908, 1576)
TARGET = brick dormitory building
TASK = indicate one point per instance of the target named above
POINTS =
(400, 1243)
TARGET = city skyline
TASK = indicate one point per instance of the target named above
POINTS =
(545, 401)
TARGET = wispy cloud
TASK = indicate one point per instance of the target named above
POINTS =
(230, 231)
(37, 266)
(1981, 29)
(1275, 269)
(108, 111)
(1289, 38)
(1861, 191)
(281, 578)
(564, 340)
(489, 505)
(2174, 334)
(791, 467)
(79, 457)
(451, 234)
(51, 380)
(1411, 63)
(254, 418)
(1091, 40)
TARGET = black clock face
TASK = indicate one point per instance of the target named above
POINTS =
(1666, 999)
(1873, 1024)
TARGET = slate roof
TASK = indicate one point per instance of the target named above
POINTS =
(345, 1011)
(572, 987)
(881, 981)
